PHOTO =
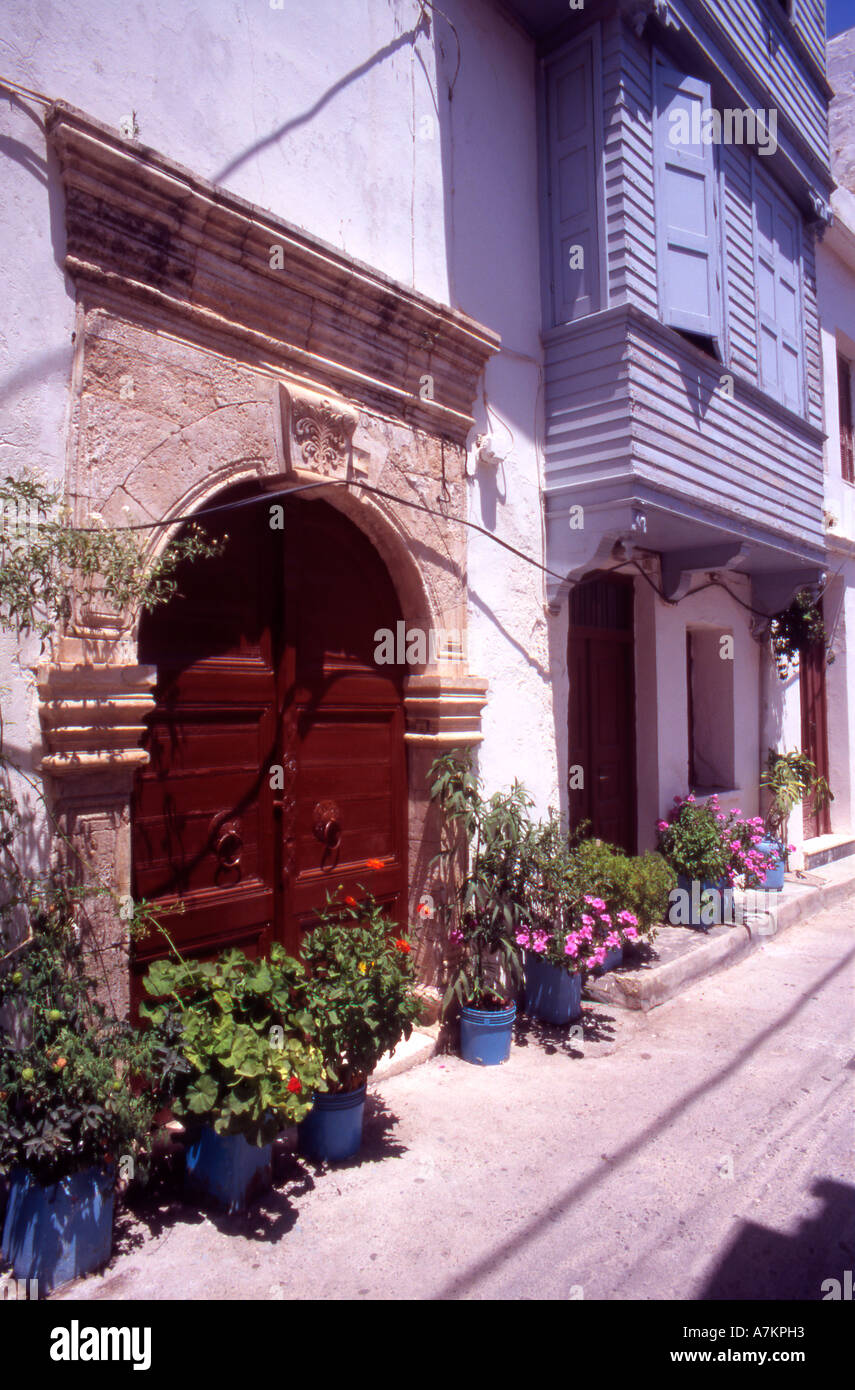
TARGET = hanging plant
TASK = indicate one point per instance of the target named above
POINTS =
(800, 625)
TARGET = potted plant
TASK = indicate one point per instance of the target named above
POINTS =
(250, 1067)
(798, 626)
(483, 851)
(640, 885)
(709, 849)
(359, 997)
(71, 1117)
(787, 778)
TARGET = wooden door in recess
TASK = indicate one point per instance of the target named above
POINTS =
(601, 710)
(277, 756)
(812, 661)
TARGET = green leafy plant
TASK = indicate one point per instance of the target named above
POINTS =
(243, 1031)
(638, 884)
(795, 627)
(485, 852)
(71, 1092)
(789, 778)
(359, 991)
(46, 562)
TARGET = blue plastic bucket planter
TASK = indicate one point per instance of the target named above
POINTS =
(774, 879)
(333, 1127)
(613, 959)
(706, 904)
(56, 1233)
(485, 1037)
(227, 1169)
(551, 994)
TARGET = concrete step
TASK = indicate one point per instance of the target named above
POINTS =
(684, 956)
(827, 849)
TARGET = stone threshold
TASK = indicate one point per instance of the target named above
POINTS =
(826, 849)
(684, 955)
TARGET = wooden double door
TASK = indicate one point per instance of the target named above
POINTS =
(277, 766)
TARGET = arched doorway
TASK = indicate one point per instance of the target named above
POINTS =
(277, 766)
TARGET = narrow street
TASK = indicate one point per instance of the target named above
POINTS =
(704, 1150)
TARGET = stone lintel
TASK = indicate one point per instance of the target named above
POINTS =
(140, 226)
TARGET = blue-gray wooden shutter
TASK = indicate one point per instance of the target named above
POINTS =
(777, 268)
(688, 250)
(573, 148)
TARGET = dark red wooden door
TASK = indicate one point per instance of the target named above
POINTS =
(277, 756)
(814, 731)
(601, 709)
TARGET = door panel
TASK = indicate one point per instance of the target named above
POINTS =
(267, 661)
(601, 710)
(814, 731)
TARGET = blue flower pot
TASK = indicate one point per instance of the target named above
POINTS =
(708, 904)
(613, 959)
(551, 994)
(774, 879)
(333, 1127)
(485, 1037)
(60, 1232)
(227, 1169)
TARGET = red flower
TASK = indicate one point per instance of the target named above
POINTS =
(351, 902)
(295, 1085)
(403, 946)
(374, 863)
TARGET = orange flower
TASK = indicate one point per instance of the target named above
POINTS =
(374, 863)
(403, 946)
(351, 902)
(60, 1063)
(295, 1085)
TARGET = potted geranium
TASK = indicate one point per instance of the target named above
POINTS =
(251, 1068)
(71, 1119)
(710, 849)
(360, 999)
(485, 852)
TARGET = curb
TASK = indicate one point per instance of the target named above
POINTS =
(646, 989)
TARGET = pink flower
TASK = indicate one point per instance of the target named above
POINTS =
(613, 940)
(631, 934)
(523, 938)
(540, 941)
(791, 849)
(628, 918)
(662, 825)
(587, 921)
(598, 956)
(456, 936)
(571, 946)
(596, 902)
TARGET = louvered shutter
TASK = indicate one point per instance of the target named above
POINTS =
(777, 261)
(573, 151)
(688, 252)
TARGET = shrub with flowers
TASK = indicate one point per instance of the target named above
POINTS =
(580, 942)
(359, 993)
(704, 843)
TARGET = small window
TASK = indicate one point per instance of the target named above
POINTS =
(844, 411)
(709, 682)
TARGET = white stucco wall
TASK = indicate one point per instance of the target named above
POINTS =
(336, 117)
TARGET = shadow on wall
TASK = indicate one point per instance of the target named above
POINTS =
(766, 1264)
